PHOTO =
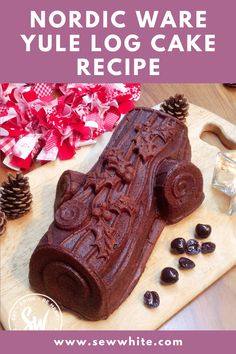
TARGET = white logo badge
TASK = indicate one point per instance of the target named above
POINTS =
(35, 312)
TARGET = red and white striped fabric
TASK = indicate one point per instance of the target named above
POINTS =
(51, 142)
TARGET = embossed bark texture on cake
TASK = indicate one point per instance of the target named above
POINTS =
(107, 221)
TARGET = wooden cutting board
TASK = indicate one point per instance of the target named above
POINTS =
(23, 235)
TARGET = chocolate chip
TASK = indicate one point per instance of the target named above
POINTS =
(186, 263)
(151, 299)
(202, 230)
(178, 245)
(169, 275)
(193, 247)
(208, 247)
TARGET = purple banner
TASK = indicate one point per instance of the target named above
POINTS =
(118, 342)
(114, 41)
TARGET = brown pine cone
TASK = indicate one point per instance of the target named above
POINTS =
(230, 84)
(15, 199)
(3, 222)
(176, 106)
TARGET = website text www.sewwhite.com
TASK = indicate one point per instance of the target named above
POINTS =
(124, 342)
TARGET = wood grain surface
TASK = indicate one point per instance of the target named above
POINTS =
(209, 310)
(213, 309)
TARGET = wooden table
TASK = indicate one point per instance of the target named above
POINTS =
(215, 308)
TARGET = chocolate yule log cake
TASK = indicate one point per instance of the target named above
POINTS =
(106, 222)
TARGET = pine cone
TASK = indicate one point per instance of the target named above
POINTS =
(3, 222)
(230, 84)
(176, 106)
(15, 200)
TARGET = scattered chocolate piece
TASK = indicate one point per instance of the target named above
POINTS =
(151, 299)
(186, 263)
(202, 230)
(193, 247)
(169, 275)
(178, 245)
(208, 247)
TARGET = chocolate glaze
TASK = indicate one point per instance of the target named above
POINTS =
(107, 221)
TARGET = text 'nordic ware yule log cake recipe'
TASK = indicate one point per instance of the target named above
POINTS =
(106, 222)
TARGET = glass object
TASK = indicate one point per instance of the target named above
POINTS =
(232, 206)
(224, 177)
